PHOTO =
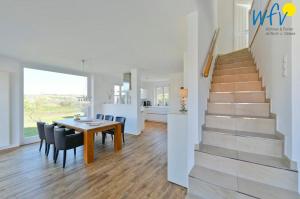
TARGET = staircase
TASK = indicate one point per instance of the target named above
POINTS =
(241, 155)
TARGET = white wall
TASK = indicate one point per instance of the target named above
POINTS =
(269, 52)
(200, 28)
(226, 25)
(15, 106)
(4, 109)
(176, 81)
(150, 87)
(103, 86)
(295, 90)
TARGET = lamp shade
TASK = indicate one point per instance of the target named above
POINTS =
(183, 92)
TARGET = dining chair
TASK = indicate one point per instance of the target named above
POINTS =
(41, 132)
(122, 120)
(49, 134)
(107, 118)
(99, 116)
(66, 140)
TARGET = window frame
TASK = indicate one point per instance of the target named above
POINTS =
(29, 140)
(166, 100)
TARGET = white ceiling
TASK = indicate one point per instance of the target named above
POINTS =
(113, 35)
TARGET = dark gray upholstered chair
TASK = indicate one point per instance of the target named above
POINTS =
(122, 120)
(41, 131)
(49, 134)
(107, 118)
(66, 140)
(99, 116)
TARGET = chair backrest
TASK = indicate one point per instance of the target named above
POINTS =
(109, 117)
(99, 116)
(60, 138)
(49, 133)
(41, 130)
(122, 120)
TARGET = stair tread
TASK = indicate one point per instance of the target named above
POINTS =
(237, 68)
(243, 133)
(229, 60)
(232, 92)
(193, 196)
(240, 103)
(264, 160)
(229, 75)
(240, 116)
(218, 178)
(236, 82)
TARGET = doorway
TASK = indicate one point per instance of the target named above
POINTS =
(241, 23)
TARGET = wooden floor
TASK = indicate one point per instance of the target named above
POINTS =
(138, 171)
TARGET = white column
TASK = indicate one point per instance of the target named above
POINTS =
(4, 109)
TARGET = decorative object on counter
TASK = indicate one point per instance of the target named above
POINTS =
(183, 92)
(77, 117)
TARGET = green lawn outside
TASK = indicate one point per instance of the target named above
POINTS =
(48, 108)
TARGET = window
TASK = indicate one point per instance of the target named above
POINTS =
(50, 96)
(162, 96)
(121, 94)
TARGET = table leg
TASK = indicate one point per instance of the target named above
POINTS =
(88, 147)
(118, 138)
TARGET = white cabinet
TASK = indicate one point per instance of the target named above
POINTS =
(156, 114)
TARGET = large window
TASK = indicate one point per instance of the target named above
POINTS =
(162, 96)
(50, 96)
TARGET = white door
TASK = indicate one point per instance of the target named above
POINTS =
(241, 23)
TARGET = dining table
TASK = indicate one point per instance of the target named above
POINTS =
(89, 128)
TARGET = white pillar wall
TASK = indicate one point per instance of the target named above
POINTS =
(4, 109)
(11, 103)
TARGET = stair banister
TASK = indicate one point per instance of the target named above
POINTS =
(259, 26)
(210, 55)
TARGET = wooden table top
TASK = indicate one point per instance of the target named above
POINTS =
(85, 124)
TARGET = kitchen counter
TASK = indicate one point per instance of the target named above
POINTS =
(156, 113)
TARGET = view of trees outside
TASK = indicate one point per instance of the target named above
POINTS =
(54, 98)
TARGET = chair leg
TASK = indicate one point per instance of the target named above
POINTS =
(54, 152)
(123, 138)
(56, 156)
(112, 136)
(74, 151)
(103, 138)
(47, 152)
(46, 147)
(65, 156)
(41, 144)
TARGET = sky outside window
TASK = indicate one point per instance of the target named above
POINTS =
(39, 82)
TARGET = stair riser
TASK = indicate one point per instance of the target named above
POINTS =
(236, 71)
(256, 145)
(248, 171)
(259, 110)
(258, 125)
(235, 54)
(240, 86)
(255, 97)
(235, 65)
(230, 60)
(260, 190)
(236, 78)
(210, 191)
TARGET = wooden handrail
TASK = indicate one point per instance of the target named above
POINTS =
(259, 26)
(210, 55)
